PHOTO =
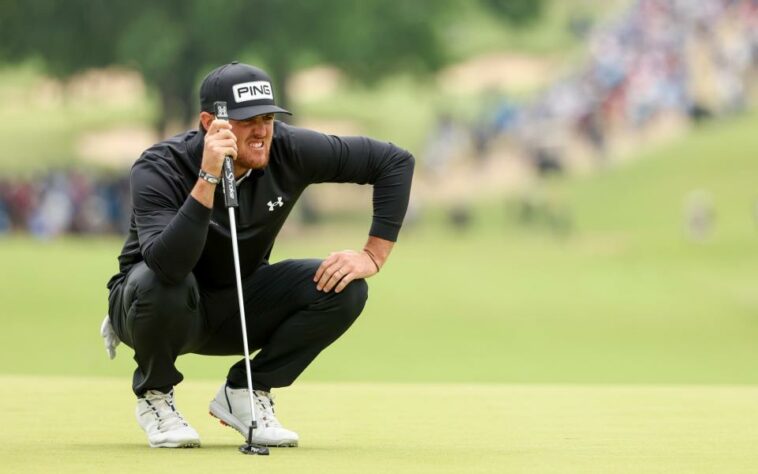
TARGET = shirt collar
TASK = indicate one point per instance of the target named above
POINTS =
(243, 177)
(250, 172)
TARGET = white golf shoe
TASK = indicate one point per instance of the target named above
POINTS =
(232, 407)
(164, 425)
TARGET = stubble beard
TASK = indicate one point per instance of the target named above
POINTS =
(253, 159)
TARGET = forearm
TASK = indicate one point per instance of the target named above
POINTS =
(323, 158)
(203, 193)
(174, 252)
(392, 191)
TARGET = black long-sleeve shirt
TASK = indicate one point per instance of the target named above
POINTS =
(175, 235)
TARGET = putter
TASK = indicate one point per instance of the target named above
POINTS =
(230, 200)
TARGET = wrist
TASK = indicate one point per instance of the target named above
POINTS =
(373, 258)
(378, 250)
(203, 192)
(210, 178)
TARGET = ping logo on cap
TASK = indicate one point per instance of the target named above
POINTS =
(256, 90)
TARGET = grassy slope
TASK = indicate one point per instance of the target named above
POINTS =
(369, 428)
(626, 299)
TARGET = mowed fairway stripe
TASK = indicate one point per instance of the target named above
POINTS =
(75, 424)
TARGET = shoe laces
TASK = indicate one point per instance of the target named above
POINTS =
(265, 404)
(161, 405)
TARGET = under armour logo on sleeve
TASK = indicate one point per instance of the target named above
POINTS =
(273, 204)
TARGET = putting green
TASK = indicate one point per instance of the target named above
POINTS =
(69, 424)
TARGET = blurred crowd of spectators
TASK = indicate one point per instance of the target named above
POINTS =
(694, 59)
(686, 60)
(61, 202)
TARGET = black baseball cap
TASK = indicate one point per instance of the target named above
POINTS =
(246, 89)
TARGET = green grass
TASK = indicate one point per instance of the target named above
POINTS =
(75, 424)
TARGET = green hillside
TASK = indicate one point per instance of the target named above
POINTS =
(645, 198)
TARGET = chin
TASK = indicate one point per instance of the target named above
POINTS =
(253, 163)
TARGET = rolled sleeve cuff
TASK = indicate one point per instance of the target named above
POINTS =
(385, 231)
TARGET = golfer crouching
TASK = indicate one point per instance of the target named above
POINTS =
(175, 292)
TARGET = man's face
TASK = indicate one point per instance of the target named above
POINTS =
(254, 137)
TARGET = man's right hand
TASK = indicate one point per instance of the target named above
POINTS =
(219, 143)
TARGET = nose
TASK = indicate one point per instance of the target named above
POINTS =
(259, 127)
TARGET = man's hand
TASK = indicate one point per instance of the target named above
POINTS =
(340, 268)
(219, 142)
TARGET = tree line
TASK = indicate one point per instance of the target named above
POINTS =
(173, 42)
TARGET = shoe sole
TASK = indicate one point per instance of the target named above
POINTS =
(227, 419)
(180, 444)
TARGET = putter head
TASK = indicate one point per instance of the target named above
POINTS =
(248, 448)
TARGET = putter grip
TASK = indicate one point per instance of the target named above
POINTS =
(227, 173)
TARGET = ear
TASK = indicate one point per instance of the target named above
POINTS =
(205, 120)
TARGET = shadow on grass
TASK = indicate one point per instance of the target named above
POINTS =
(215, 447)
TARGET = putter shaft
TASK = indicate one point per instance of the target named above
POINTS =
(230, 200)
(243, 323)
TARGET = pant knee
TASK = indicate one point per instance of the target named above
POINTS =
(353, 298)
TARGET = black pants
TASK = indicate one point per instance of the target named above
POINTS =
(287, 319)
